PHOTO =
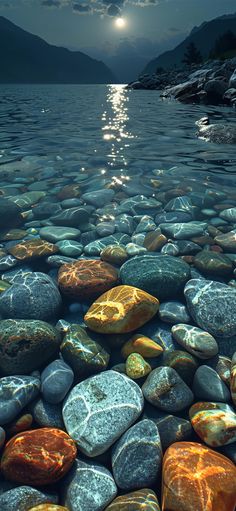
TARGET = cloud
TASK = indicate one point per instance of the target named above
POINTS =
(51, 3)
(82, 8)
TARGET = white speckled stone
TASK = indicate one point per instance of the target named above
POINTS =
(99, 409)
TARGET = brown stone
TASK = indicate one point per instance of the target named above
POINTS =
(154, 241)
(22, 423)
(121, 309)
(86, 279)
(196, 478)
(30, 249)
(214, 423)
(13, 234)
(143, 345)
(38, 457)
(114, 254)
(69, 192)
(140, 500)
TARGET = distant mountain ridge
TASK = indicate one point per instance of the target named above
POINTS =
(203, 37)
(26, 58)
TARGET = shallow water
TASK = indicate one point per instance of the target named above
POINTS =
(109, 129)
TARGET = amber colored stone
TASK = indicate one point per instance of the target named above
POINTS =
(86, 279)
(4, 285)
(69, 192)
(114, 254)
(196, 478)
(121, 309)
(155, 183)
(140, 500)
(142, 345)
(38, 457)
(233, 379)
(48, 507)
(215, 423)
(154, 241)
(32, 248)
(189, 259)
(20, 424)
(136, 367)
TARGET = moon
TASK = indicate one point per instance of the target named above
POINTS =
(120, 22)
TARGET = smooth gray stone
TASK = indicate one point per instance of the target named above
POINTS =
(54, 233)
(126, 206)
(182, 203)
(229, 214)
(95, 247)
(15, 393)
(173, 217)
(184, 231)
(137, 456)
(212, 305)
(55, 261)
(208, 386)
(174, 312)
(98, 198)
(56, 381)
(124, 223)
(47, 415)
(105, 229)
(146, 224)
(88, 486)
(172, 429)
(31, 296)
(8, 261)
(160, 275)
(24, 498)
(165, 389)
(13, 275)
(70, 248)
(99, 409)
(199, 343)
(227, 240)
(71, 217)
(45, 210)
(170, 249)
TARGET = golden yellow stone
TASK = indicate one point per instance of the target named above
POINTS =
(142, 345)
(140, 500)
(121, 309)
(136, 367)
(114, 254)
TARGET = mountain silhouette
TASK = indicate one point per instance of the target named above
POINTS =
(203, 37)
(26, 58)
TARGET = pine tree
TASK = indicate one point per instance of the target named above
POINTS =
(224, 43)
(192, 55)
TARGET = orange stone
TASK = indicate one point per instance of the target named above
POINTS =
(48, 507)
(38, 457)
(86, 279)
(120, 310)
(143, 345)
(20, 424)
(196, 478)
(32, 248)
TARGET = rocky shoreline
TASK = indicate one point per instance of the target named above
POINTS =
(214, 82)
(117, 342)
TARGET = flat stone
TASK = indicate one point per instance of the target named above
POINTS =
(98, 410)
(183, 231)
(31, 296)
(214, 423)
(165, 389)
(27, 199)
(85, 355)
(89, 486)
(140, 500)
(25, 345)
(137, 456)
(54, 233)
(86, 279)
(199, 343)
(70, 248)
(23, 498)
(197, 478)
(72, 217)
(212, 305)
(98, 198)
(121, 309)
(212, 263)
(208, 386)
(31, 249)
(161, 276)
(229, 215)
(174, 312)
(227, 241)
(95, 247)
(56, 381)
(38, 457)
(15, 393)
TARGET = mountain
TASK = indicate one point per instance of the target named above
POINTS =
(26, 58)
(203, 37)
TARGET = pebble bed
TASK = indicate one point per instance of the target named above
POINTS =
(117, 343)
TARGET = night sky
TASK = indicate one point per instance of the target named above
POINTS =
(151, 26)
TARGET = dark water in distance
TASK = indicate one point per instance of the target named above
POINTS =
(109, 129)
